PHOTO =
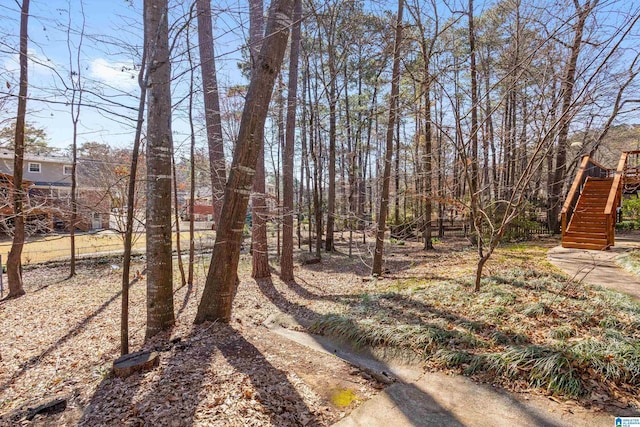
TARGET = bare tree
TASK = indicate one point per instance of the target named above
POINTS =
(221, 280)
(160, 314)
(211, 105)
(260, 249)
(286, 261)
(14, 263)
(566, 115)
(75, 75)
(386, 177)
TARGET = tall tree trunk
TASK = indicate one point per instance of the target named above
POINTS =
(396, 199)
(176, 214)
(441, 170)
(286, 261)
(14, 262)
(473, 182)
(490, 134)
(143, 77)
(220, 285)
(566, 93)
(305, 156)
(276, 163)
(192, 173)
(211, 106)
(386, 177)
(428, 193)
(351, 163)
(331, 196)
(315, 146)
(260, 249)
(76, 103)
(160, 314)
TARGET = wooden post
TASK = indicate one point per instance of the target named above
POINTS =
(1, 283)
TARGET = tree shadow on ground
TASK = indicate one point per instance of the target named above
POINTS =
(399, 306)
(80, 326)
(168, 395)
(191, 380)
(303, 314)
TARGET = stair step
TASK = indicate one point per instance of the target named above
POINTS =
(586, 228)
(590, 213)
(586, 234)
(592, 200)
(587, 240)
(589, 217)
(591, 246)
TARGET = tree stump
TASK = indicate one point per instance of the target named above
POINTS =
(139, 361)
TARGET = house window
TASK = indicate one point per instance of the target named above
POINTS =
(67, 169)
(34, 167)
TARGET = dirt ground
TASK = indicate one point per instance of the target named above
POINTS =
(60, 340)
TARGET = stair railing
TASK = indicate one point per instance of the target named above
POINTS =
(588, 168)
(614, 199)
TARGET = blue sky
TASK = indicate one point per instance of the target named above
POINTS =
(106, 63)
(109, 54)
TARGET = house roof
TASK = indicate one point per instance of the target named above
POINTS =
(6, 153)
(5, 177)
(52, 170)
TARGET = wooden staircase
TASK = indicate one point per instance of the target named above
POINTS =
(588, 227)
(590, 211)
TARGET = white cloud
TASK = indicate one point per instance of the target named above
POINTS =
(38, 64)
(120, 75)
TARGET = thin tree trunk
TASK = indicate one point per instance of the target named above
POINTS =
(221, 280)
(315, 146)
(305, 156)
(192, 195)
(192, 171)
(176, 212)
(277, 164)
(286, 261)
(331, 196)
(76, 88)
(160, 314)
(396, 199)
(428, 193)
(473, 182)
(143, 76)
(393, 112)
(14, 262)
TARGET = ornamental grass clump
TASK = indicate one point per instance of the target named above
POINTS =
(524, 327)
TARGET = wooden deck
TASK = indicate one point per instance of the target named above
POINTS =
(590, 211)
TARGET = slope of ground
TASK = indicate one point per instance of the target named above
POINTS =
(62, 337)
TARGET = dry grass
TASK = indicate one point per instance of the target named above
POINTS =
(39, 249)
(630, 261)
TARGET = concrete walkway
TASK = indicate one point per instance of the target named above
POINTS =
(599, 267)
(419, 398)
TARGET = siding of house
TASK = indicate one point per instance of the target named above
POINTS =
(51, 189)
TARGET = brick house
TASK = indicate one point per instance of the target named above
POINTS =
(49, 189)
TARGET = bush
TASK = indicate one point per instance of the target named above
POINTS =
(631, 209)
(626, 225)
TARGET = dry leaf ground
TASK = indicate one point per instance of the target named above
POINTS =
(62, 337)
